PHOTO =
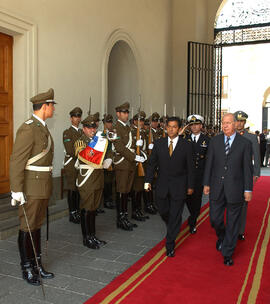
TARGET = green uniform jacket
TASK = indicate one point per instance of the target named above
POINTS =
(31, 139)
(128, 162)
(69, 137)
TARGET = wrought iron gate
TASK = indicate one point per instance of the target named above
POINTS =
(204, 83)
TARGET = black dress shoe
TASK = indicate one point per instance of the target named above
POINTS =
(241, 237)
(109, 205)
(219, 244)
(228, 261)
(43, 273)
(170, 253)
(99, 210)
(192, 230)
(99, 242)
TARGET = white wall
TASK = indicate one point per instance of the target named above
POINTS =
(71, 46)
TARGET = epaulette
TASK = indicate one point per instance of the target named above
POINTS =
(28, 122)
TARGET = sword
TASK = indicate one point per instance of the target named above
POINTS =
(34, 249)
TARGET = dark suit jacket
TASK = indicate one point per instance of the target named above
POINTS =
(175, 173)
(230, 173)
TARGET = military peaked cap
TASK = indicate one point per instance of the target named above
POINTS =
(43, 97)
(89, 121)
(107, 118)
(76, 112)
(155, 116)
(240, 115)
(140, 115)
(195, 119)
(123, 108)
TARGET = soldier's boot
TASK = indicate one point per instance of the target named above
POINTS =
(148, 208)
(77, 204)
(72, 209)
(37, 241)
(88, 239)
(108, 201)
(124, 203)
(92, 218)
(26, 254)
(121, 217)
(135, 207)
(139, 206)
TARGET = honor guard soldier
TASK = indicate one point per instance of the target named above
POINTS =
(154, 127)
(162, 127)
(146, 125)
(241, 118)
(108, 173)
(200, 144)
(69, 137)
(138, 133)
(31, 184)
(125, 160)
(93, 156)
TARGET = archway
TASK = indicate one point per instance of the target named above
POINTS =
(122, 77)
(242, 28)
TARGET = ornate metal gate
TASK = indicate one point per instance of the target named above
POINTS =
(204, 83)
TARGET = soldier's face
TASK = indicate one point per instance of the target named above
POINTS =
(240, 124)
(75, 120)
(196, 128)
(108, 125)
(154, 124)
(89, 132)
(49, 110)
(172, 129)
(123, 116)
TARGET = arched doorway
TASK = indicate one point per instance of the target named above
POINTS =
(122, 77)
(242, 29)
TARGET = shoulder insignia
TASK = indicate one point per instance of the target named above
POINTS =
(67, 139)
(28, 122)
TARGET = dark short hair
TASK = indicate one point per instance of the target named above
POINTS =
(175, 118)
(38, 106)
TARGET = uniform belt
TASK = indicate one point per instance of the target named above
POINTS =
(39, 168)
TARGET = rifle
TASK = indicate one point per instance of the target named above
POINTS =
(138, 152)
(89, 111)
(105, 132)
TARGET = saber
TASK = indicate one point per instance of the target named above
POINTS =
(34, 249)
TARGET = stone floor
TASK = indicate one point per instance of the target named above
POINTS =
(79, 272)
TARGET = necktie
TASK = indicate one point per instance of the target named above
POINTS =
(194, 139)
(227, 146)
(171, 148)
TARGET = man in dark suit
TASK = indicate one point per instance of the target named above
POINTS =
(200, 144)
(172, 158)
(228, 181)
(263, 146)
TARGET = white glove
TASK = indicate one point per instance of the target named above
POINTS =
(107, 163)
(17, 197)
(139, 159)
(150, 146)
(139, 143)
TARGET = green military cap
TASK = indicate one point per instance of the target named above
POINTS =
(195, 119)
(140, 115)
(240, 115)
(76, 112)
(43, 97)
(147, 122)
(90, 121)
(163, 118)
(155, 116)
(107, 118)
(96, 116)
(123, 108)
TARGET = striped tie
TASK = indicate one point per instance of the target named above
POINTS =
(227, 146)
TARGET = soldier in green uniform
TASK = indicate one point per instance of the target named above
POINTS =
(90, 180)
(162, 132)
(138, 185)
(108, 173)
(69, 137)
(31, 182)
(125, 160)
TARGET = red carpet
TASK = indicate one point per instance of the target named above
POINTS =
(197, 273)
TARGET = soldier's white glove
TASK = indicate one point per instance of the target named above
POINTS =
(139, 159)
(150, 146)
(139, 143)
(17, 197)
(107, 163)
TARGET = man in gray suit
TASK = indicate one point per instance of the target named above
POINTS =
(241, 118)
(228, 181)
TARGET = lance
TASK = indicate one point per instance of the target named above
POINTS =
(14, 203)
(89, 111)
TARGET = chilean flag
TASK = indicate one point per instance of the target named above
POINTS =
(94, 153)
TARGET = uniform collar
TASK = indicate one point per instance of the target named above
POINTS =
(39, 119)
(124, 124)
(77, 129)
